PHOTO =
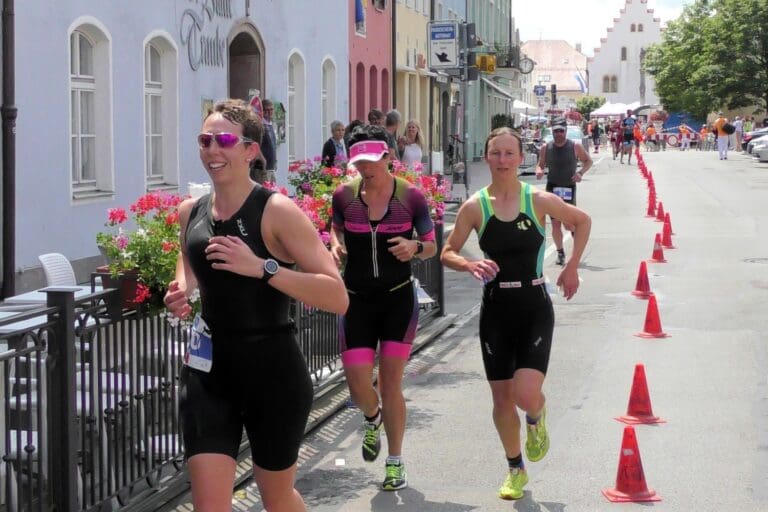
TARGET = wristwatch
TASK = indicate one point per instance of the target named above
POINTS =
(419, 247)
(270, 269)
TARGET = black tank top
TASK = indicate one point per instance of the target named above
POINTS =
(233, 302)
(561, 162)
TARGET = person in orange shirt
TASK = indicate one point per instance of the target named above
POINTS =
(704, 141)
(685, 137)
(650, 137)
(722, 137)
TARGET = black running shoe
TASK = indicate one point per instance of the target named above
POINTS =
(561, 257)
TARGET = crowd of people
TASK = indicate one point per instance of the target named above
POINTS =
(249, 250)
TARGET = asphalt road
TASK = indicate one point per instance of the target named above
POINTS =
(708, 380)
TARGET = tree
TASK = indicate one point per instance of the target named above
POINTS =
(587, 104)
(715, 54)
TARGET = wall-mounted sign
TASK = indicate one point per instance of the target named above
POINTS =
(205, 47)
(443, 44)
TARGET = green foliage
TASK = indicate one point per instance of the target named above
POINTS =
(502, 120)
(587, 104)
(715, 55)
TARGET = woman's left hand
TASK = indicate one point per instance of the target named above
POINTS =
(232, 254)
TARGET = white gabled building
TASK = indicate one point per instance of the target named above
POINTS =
(615, 70)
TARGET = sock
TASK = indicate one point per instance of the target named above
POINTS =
(376, 418)
(561, 251)
(516, 462)
(395, 459)
(532, 421)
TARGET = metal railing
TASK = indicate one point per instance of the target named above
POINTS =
(90, 397)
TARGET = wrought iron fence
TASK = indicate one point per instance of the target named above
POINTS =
(90, 397)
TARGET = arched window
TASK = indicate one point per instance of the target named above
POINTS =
(373, 85)
(360, 91)
(614, 84)
(296, 108)
(640, 27)
(623, 53)
(384, 90)
(160, 116)
(632, 27)
(328, 97)
(606, 83)
(90, 123)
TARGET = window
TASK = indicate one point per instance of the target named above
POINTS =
(373, 84)
(90, 111)
(328, 97)
(380, 4)
(384, 90)
(160, 119)
(614, 84)
(295, 122)
(632, 27)
(623, 53)
(606, 83)
(360, 17)
(640, 27)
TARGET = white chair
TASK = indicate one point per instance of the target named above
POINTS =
(58, 270)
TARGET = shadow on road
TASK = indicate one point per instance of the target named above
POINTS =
(411, 499)
(528, 504)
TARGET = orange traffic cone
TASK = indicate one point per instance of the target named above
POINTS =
(660, 212)
(658, 252)
(666, 236)
(639, 409)
(651, 212)
(668, 221)
(652, 326)
(630, 479)
(642, 287)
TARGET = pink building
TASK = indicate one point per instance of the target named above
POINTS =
(370, 57)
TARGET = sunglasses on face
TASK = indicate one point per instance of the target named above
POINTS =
(556, 130)
(224, 140)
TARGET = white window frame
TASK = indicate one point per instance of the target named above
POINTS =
(97, 85)
(167, 92)
(327, 96)
(295, 125)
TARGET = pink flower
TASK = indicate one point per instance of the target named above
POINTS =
(116, 216)
(142, 293)
(121, 241)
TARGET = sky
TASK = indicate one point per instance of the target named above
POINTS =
(580, 21)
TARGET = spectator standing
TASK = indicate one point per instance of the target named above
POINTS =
(722, 137)
(411, 144)
(392, 125)
(334, 148)
(269, 141)
(376, 117)
(748, 124)
(738, 123)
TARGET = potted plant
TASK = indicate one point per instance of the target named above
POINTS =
(141, 251)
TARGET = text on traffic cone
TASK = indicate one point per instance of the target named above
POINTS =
(639, 409)
(642, 287)
(630, 478)
(652, 326)
(658, 252)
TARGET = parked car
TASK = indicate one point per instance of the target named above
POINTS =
(760, 139)
(757, 144)
(761, 153)
(752, 135)
(573, 133)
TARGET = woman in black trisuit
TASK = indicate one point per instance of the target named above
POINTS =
(516, 316)
(243, 367)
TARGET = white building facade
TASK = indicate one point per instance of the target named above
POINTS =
(111, 100)
(615, 71)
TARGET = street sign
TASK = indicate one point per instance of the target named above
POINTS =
(539, 90)
(443, 44)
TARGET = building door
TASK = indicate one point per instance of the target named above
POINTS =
(246, 66)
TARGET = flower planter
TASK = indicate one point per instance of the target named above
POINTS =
(126, 282)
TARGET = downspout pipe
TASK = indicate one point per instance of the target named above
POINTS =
(9, 113)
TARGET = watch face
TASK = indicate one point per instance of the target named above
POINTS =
(271, 266)
(526, 66)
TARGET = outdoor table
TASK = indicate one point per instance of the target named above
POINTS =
(40, 297)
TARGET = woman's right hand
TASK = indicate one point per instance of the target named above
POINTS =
(339, 253)
(484, 270)
(176, 300)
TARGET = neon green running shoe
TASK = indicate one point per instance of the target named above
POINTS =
(512, 488)
(395, 478)
(371, 441)
(537, 441)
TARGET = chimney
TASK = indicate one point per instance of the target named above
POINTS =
(578, 47)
